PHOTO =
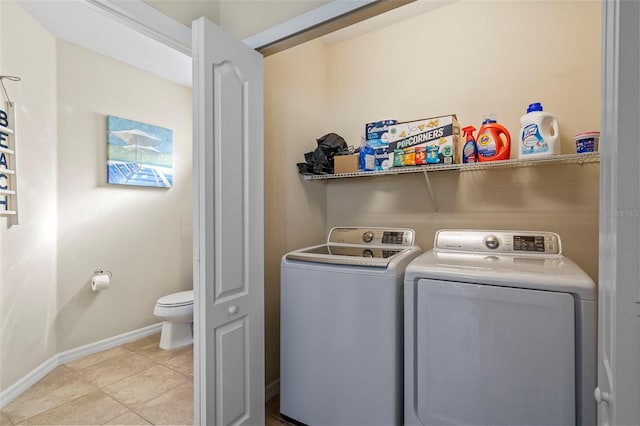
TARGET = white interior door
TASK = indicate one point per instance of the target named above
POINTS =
(228, 228)
(618, 390)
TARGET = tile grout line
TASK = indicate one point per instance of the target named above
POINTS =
(97, 388)
(128, 407)
(80, 374)
(110, 397)
(154, 360)
(76, 370)
(176, 371)
(125, 378)
(7, 417)
(108, 359)
(62, 403)
(189, 378)
(141, 415)
(57, 406)
(156, 364)
(172, 368)
(134, 410)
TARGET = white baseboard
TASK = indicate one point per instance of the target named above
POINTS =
(32, 377)
(28, 380)
(272, 389)
(109, 343)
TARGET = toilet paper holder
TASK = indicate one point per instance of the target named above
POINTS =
(101, 280)
(100, 271)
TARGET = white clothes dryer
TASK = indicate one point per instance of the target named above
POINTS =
(500, 328)
(341, 328)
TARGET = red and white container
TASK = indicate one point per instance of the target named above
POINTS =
(587, 142)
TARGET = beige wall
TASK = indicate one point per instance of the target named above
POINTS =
(71, 221)
(387, 74)
(295, 211)
(562, 199)
(472, 58)
(143, 235)
(468, 58)
(410, 70)
(28, 262)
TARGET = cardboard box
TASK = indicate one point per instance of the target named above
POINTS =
(345, 163)
(440, 136)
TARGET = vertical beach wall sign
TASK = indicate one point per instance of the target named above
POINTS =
(8, 169)
(138, 153)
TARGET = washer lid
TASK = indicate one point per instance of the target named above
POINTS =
(181, 298)
(551, 273)
(379, 257)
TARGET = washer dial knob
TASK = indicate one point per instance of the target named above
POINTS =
(367, 237)
(492, 242)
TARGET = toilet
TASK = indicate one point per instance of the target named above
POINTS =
(176, 313)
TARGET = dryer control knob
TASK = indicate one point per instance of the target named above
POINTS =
(367, 237)
(492, 242)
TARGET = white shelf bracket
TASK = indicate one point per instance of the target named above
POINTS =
(434, 203)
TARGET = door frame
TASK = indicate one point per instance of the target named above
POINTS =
(148, 22)
(619, 213)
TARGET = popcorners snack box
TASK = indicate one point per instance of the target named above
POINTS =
(439, 136)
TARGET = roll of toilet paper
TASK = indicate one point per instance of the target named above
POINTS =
(100, 282)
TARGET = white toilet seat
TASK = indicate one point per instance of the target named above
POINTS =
(176, 312)
(180, 298)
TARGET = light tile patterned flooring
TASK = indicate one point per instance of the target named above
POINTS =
(134, 384)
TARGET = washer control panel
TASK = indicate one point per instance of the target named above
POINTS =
(515, 242)
(393, 237)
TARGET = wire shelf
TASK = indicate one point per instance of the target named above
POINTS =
(516, 163)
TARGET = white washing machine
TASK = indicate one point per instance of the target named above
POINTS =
(341, 328)
(500, 328)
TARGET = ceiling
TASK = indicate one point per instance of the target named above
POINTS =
(242, 18)
(86, 24)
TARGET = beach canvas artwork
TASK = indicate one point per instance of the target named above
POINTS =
(138, 153)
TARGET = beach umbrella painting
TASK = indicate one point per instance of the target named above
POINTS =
(136, 140)
(139, 153)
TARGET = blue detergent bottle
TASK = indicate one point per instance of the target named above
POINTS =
(539, 133)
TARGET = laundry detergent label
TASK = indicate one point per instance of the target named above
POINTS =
(469, 152)
(531, 141)
(486, 145)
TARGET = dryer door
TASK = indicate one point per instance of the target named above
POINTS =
(493, 355)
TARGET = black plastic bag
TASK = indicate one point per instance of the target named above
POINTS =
(320, 161)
